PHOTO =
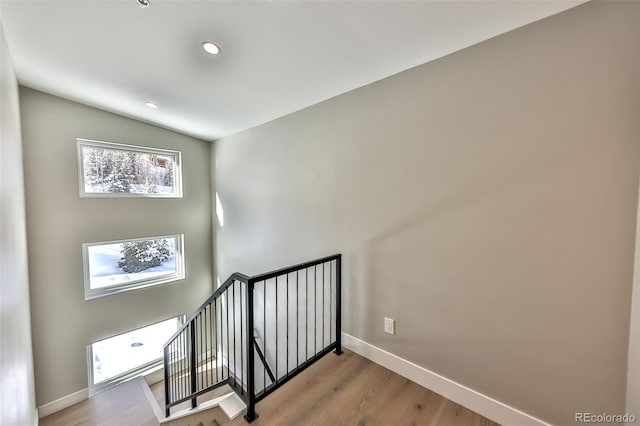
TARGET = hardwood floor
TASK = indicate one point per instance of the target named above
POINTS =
(125, 405)
(351, 390)
(336, 390)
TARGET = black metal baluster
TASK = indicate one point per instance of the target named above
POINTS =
(297, 319)
(306, 315)
(214, 343)
(315, 311)
(203, 349)
(330, 299)
(185, 375)
(166, 380)
(277, 354)
(178, 365)
(196, 335)
(233, 324)
(209, 344)
(216, 311)
(264, 332)
(187, 339)
(287, 282)
(242, 323)
(194, 349)
(194, 368)
(171, 386)
(176, 351)
(323, 307)
(174, 369)
(199, 353)
(338, 305)
(228, 347)
(183, 351)
(171, 373)
(187, 382)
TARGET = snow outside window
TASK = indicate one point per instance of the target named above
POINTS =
(117, 266)
(109, 169)
(118, 358)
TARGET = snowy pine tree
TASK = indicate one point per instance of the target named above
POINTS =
(139, 256)
(121, 177)
(96, 167)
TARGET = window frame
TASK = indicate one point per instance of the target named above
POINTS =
(94, 293)
(90, 143)
(143, 369)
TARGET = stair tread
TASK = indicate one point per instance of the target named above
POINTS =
(233, 406)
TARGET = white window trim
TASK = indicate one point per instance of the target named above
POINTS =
(94, 293)
(177, 168)
(144, 369)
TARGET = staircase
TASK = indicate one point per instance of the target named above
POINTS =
(251, 336)
(216, 407)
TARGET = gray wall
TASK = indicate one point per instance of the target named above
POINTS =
(59, 221)
(486, 201)
(633, 364)
(17, 404)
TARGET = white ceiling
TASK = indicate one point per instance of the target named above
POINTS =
(277, 56)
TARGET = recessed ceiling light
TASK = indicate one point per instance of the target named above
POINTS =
(210, 47)
(144, 3)
(151, 105)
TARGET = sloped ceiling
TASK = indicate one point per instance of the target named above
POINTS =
(277, 56)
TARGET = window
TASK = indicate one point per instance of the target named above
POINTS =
(117, 266)
(109, 169)
(119, 358)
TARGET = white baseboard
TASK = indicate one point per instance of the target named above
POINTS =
(62, 403)
(460, 394)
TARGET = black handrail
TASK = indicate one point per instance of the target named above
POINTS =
(236, 276)
(224, 327)
(289, 269)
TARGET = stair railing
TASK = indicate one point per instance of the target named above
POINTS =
(295, 312)
(210, 335)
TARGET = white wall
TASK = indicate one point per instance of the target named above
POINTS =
(59, 221)
(486, 201)
(17, 401)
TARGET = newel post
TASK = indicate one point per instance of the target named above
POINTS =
(251, 373)
(338, 350)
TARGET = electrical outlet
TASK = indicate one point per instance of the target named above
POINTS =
(389, 325)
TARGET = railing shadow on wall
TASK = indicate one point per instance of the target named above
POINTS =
(256, 333)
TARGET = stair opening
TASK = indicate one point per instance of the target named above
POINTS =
(256, 333)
